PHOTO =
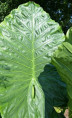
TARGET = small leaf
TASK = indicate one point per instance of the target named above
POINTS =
(58, 109)
(69, 36)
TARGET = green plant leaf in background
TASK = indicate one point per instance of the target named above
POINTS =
(62, 59)
(28, 39)
(54, 90)
(69, 36)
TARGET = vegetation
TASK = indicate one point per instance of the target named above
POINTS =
(62, 60)
(59, 10)
(35, 59)
(30, 86)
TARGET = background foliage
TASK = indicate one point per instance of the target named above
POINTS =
(59, 10)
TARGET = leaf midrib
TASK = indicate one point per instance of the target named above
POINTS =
(33, 51)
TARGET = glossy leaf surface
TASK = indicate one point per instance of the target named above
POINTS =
(28, 39)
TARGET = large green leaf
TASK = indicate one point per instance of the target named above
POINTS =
(63, 61)
(28, 39)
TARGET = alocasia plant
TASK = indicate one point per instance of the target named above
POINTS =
(62, 59)
(28, 39)
(69, 36)
(54, 90)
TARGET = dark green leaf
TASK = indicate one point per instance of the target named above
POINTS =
(54, 90)
(63, 61)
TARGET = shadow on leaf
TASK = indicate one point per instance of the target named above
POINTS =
(55, 91)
